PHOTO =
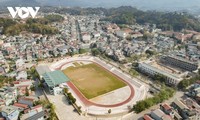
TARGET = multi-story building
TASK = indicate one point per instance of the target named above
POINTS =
(181, 62)
(171, 78)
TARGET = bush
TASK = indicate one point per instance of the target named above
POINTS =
(159, 98)
(109, 111)
(187, 82)
(71, 98)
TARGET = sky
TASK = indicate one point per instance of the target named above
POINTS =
(143, 4)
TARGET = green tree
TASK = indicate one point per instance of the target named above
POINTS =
(82, 51)
(164, 94)
(27, 92)
(109, 111)
(32, 88)
(65, 90)
(95, 52)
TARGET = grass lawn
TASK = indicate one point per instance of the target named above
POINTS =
(93, 80)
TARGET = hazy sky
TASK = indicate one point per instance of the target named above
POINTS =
(148, 4)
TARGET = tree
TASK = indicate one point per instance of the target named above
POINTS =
(150, 52)
(129, 38)
(82, 51)
(109, 111)
(199, 71)
(95, 52)
(27, 92)
(32, 88)
(133, 72)
(164, 94)
(65, 90)
(40, 85)
(159, 77)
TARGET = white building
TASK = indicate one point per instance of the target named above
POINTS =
(20, 63)
(172, 79)
(86, 37)
(121, 34)
(10, 113)
(22, 75)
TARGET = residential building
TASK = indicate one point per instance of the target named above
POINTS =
(160, 115)
(27, 101)
(121, 33)
(10, 113)
(35, 113)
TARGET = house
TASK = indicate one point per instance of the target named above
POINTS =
(22, 86)
(10, 113)
(121, 33)
(8, 95)
(96, 34)
(27, 101)
(86, 37)
(63, 49)
(160, 115)
(21, 107)
(2, 71)
(35, 113)
(20, 63)
(136, 34)
(21, 75)
(166, 108)
(177, 104)
(185, 111)
(147, 117)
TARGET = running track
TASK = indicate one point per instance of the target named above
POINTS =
(88, 102)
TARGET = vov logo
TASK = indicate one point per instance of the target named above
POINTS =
(23, 12)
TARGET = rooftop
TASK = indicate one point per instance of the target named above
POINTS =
(166, 73)
(8, 110)
(158, 113)
(42, 69)
(180, 104)
(55, 78)
(20, 105)
(147, 117)
(166, 106)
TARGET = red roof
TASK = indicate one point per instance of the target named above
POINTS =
(21, 105)
(166, 106)
(16, 82)
(198, 82)
(2, 118)
(147, 117)
(38, 106)
(28, 99)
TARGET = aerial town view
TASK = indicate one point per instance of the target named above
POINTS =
(99, 60)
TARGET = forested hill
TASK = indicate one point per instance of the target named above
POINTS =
(129, 15)
(165, 21)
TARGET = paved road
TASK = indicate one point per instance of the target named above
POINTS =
(38, 91)
(66, 111)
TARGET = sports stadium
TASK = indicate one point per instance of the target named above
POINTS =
(97, 86)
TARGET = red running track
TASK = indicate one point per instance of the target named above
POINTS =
(88, 102)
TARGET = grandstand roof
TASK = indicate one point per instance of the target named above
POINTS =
(55, 78)
(42, 69)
